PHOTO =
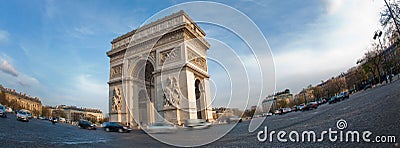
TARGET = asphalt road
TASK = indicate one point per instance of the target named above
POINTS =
(375, 110)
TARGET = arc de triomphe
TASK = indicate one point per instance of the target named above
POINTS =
(159, 72)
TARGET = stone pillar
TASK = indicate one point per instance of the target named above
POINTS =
(207, 102)
(191, 95)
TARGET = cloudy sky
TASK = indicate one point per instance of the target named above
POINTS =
(56, 50)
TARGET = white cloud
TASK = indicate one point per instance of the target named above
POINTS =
(331, 44)
(85, 91)
(84, 30)
(90, 86)
(333, 6)
(8, 68)
(12, 76)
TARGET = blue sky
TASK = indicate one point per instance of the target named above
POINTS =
(56, 50)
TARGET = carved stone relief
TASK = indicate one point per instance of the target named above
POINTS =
(116, 100)
(172, 94)
(197, 60)
(116, 71)
(170, 55)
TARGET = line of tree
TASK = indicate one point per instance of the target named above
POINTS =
(380, 62)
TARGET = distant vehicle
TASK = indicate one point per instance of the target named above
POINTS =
(287, 110)
(53, 120)
(343, 95)
(278, 112)
(62, 120)
(3, 112)
(233, 119)
(161, 127)
(197, 123)
(9, 110)
(41, 118)
(300, 107)
(294, 108)
(267, 114)
(333, 100)
(28, 113)
(310, 106)
(367, 86)
(324, 100)
(22, 115)
(115, 127)
(85, 124)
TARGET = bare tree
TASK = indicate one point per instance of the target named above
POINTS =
(389, 17)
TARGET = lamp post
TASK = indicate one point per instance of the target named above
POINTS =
(305, 96)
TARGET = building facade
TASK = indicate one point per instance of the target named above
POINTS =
(17, 100)
(159, 72)
(73, 113)
(278, 100)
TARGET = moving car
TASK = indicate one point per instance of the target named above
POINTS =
(267, 114)
(22, 115)
(115, 127)
(197, 123)
(3, 112)
(161, 127)
(28, 113)
(85, 124)
(233, 119)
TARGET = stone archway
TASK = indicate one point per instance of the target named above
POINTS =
(145, 75)
(199, 102)
(170, 52)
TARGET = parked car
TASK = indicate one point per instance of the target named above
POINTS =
(333, 100)
(287, 110)
(22, 115)
(267, 114)
(324, 100)
(161, 127)
(233, 119)
(41, 118)
(367, 86)
(3, 112)
(115, 127)
(9, 110)
(62, 120)
(294, 108)
(278, 112)
(310, 106)
(346, 95)
(197, 123)
(343, 95)
(85, 124)
(300, 107)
